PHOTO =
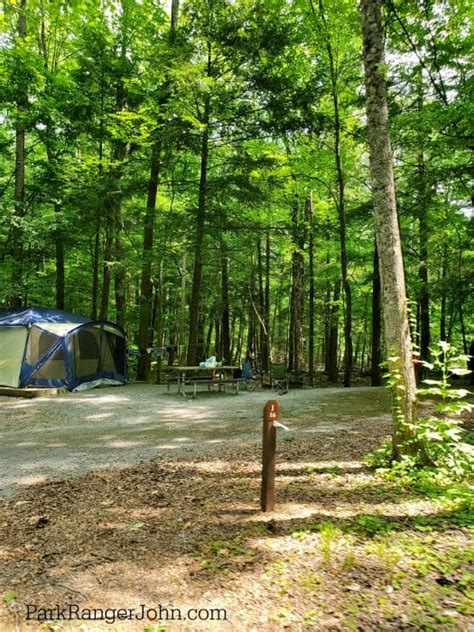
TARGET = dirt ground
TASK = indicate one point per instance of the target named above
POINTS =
(51, 438)
(182, 536)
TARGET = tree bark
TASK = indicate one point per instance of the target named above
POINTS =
(310, 222)
(148, 234)
(113, 264)
(195, 303)
(332, 368)
(59, 252)
(296, 301)
(267, 352)
(145, 281)
(423, 202)
(341, 204)
(15, 299)
(225, 311)
(119, 273)
(95, 271)
(442, 318)
(107, 267)
(395, 315)
(376, 372)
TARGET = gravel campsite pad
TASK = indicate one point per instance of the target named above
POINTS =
(344, 550)
(66, 435)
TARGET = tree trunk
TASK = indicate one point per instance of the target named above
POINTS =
(442, 318)
(423, 297)
(341, 204)
(159, 321)
(145, 281)
(225, 312)
(59, 252)
(119, 272)
(107, 269)
(252, 328)
(263, 290)
(194, 308)
(395, 314)
(332, 368)
(148, 234)
(376, 373)
(182, 310)
(296, 301)
(113, 265)
(15, 299)
(267, 352)
(95, 271)
(310, 222)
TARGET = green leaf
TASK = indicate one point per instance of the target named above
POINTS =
(136, 526)
(9, 596)
(460, 371)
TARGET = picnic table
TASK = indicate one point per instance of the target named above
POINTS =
(211, 376)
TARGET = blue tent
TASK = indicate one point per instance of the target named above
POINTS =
(49, 347)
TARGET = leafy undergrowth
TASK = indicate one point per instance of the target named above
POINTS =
(345, 550)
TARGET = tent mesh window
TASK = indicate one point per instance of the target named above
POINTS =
(116, 348)
(54, 367)
(86, 344)
(39, 343)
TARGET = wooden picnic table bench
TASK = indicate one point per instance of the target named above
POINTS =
(217, 376)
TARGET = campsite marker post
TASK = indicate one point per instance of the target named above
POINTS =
(270, 415)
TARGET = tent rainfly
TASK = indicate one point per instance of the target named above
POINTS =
(49, 347)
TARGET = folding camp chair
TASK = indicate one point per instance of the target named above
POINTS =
(248, 378)
(280, 382)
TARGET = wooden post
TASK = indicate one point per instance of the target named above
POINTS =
(270, 414)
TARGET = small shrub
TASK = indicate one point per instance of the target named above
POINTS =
(446, 443)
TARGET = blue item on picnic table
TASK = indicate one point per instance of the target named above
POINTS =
(210, 362)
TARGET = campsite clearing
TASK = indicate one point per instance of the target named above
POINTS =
(69, 434)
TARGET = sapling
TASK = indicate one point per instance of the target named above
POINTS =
(442, 433)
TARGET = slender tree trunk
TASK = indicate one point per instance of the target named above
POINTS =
(182, 309)
(145, 281)
(266, 312)
(59, 251)
(263, 288)
(148, 233)
(119, 153)
(52, 154)
(225, 312)
(376, 372)
(423, 298)
(442, 319)
(395, 314)
(201, 352)
(252, 327)
(463, 329)
(327, 324)
(341, 203)
(15, 299)
(310, 222)
(209, 340)
(119, 273)
(95, 271)
(159, 320)
(332, 368)
(364, 339)
(100, 212)
(107, 271)
(297, 280)
(194, 308)
(113, 264)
